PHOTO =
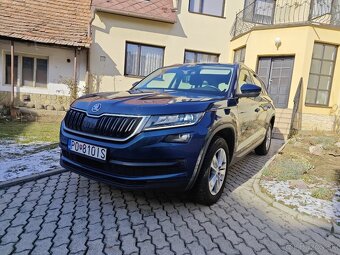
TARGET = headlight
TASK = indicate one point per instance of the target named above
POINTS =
(170, 121)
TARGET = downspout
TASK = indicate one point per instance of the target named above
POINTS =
(88, 57)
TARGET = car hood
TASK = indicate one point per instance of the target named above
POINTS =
(136, 102)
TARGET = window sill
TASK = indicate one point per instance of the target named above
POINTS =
(22, 86)
(318, 106)
(209, 15)
(134, 76)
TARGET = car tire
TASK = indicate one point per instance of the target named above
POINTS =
(264, 147)
(203, 191)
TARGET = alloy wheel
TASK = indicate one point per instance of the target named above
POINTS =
(218, 169)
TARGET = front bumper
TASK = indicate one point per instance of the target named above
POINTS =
(143, 162)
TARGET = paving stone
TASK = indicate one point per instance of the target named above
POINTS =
(196, 248)
(47, 230)
(26, 241)
(6, 249)
(12, 235)
(95, 247)
(177, 245)
(78, 243)
(129, 244)
(73, 215)
(4, 224)
(62, 236)
(252, 242)
(42, 246)
(146, 248)
(205, 240)
(165, 251)
(159, 239)
(141, 233)
(95, 232)
(116, 250)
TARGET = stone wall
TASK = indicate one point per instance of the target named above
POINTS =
(39, 101)
(318, 122)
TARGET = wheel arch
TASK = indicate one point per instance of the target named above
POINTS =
(228, 133)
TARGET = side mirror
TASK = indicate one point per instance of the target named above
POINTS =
(250, 90)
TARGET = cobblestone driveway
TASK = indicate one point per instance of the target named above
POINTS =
(70, 214)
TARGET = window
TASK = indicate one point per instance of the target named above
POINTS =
(240, 55)
(321, 74)
(209, 7)
(259, 11)
(200, 57)
(142, 60)
(8, 70)
(215, 79)
(27, 71)
(33, 71)
(41, 73)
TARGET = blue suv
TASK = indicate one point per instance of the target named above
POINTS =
(180, 128)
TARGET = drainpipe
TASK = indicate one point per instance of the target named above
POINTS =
(88, 58)
(12, 75)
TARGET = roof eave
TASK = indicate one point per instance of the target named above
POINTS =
(136, 15)
(46, 41)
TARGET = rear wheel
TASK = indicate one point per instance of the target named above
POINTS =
(211, 181)
(264, 147)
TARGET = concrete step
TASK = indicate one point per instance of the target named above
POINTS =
(283, 120)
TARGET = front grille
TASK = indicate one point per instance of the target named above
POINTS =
(107, 126)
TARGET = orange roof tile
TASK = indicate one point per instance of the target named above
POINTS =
(160, 10)
(62, 22)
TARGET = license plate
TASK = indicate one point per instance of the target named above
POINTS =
(87, 149)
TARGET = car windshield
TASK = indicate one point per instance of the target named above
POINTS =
(215, 79)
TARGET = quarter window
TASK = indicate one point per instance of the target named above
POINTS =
(321, 74)
(142, 60)
(240, 55)
(209, 7)
(200, 57)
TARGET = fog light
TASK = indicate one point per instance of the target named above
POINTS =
(178, 138)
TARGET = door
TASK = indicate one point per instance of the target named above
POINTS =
(248, 109)
(276, 72)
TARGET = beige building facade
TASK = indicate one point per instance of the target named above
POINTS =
(197, 34)
(284, 49)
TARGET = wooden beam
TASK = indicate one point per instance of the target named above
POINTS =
(12, 74)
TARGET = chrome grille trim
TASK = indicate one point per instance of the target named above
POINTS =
(106, 125)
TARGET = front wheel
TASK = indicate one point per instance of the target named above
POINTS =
(211, 181)
(264, 147)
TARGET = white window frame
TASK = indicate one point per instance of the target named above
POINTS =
(20, 66)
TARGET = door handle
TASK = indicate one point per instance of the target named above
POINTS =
(257, 109)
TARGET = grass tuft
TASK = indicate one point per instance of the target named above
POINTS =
(288, 167)
(323, 193)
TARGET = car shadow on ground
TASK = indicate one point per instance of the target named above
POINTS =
(238, 174)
